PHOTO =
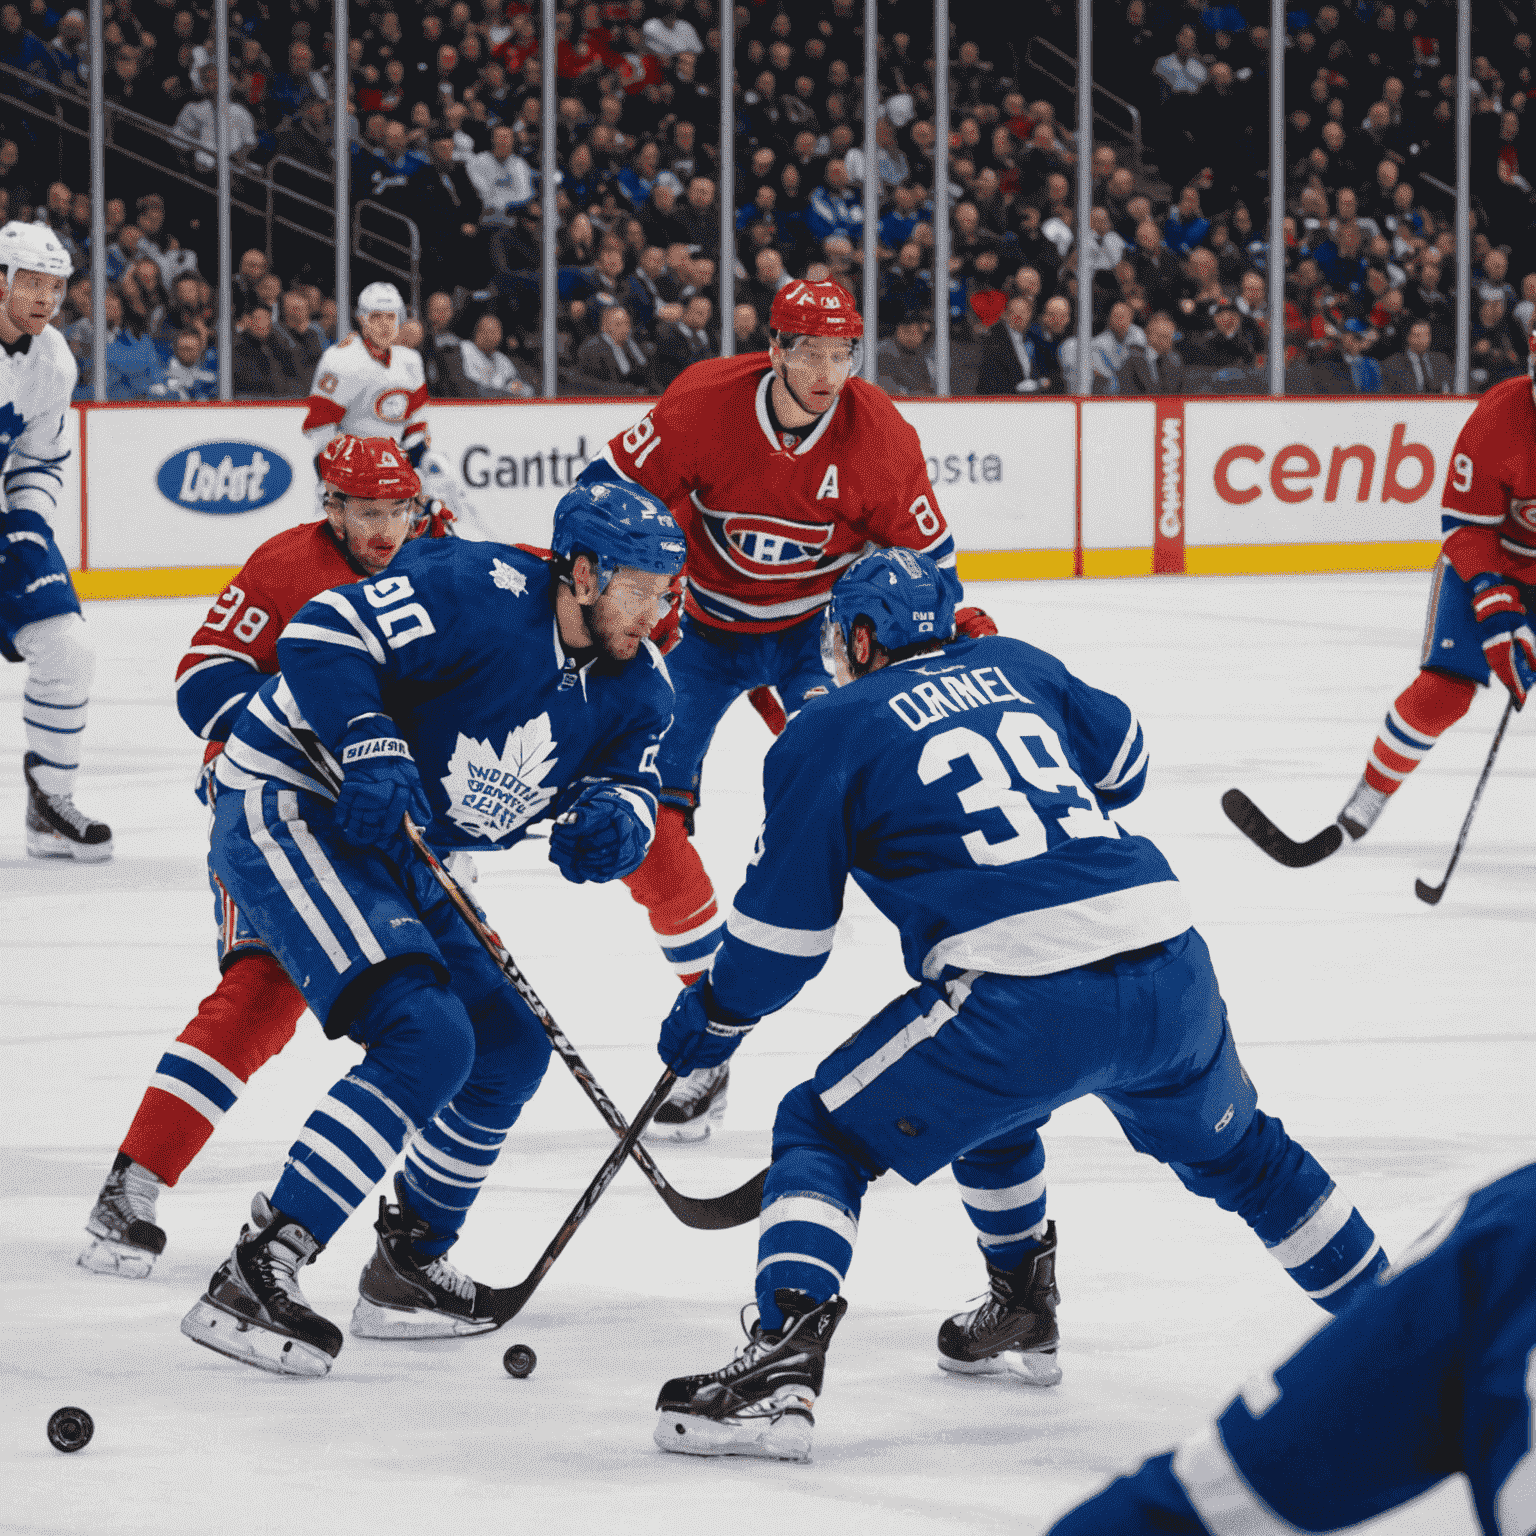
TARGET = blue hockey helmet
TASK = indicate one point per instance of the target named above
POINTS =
(900, 592)
(616, 525)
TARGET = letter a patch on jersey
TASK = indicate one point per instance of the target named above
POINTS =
(829, 484)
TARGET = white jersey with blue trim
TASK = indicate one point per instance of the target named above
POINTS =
(459, 646)
(966, 790)
(36, 384)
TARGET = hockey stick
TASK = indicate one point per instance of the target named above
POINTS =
(508, 1301)
(1433, 893)
(714, 1214)
(1261, 831)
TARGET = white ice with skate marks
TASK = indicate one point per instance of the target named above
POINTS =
(1394, 1040)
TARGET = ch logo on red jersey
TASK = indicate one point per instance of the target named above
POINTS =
(767, 548)
(1523, 514)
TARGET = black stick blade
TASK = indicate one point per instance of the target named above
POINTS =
(1263, 833)
(1429, 893)
(722, 1212)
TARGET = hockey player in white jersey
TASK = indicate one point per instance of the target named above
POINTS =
(367, 386)
(40, 619)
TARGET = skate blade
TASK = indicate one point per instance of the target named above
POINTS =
(371, 1321)
(48, 845)
(784, 1439)
(1036, 1368)
(107, 1257)
(225, 1334)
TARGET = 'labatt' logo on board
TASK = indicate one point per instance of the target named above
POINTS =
(224, 477)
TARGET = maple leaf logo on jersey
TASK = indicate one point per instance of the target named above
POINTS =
(12, 424)
(508, 578)
(491, 796)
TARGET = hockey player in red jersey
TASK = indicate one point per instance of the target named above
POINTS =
(1479, 628)
(371, 509)
(782, 468)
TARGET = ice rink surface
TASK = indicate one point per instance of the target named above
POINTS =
(1395, 1040)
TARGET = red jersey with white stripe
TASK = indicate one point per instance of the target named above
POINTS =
(235, 650)
(367, 393)
(1489, 507)
(772, 523)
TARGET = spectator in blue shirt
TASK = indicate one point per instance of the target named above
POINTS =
(900, 224)
(1340, 261)
(192, 373)
(836, 208)
(133, 362)
(639, 176)
(1186, 227)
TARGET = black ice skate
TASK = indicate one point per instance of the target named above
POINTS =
(696, 1103)
(254, 1311)
(124, 1238)
(401, 1295)
(760, 1404)
(57, 828)
(1014, 1329)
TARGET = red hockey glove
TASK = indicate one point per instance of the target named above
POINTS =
(973, 623)
(435, 518)
(669, 627)
(766, 702)
(1508, 640)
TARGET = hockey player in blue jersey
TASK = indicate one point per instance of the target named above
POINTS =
(40, 620)
(965, 786)
(477, 687)
(1432, 1373)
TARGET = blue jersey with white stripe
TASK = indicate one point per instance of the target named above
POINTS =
(458, 644)
(966, 790)
(1431, 1373)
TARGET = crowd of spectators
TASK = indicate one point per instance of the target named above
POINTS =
(445, 111)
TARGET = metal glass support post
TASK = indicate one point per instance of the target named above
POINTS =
(1463, 195)
(549, 295)
(728, 178)
(221, 154)
(1276, 273)
(941, 196)
(341, 80)
(1082, 381)
(98, 210)
(871, 188)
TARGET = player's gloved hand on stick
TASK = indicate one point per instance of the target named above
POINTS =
(604, 834)
(699, 1032)
(436, 515)
(669, 627)
(973, 623)
(380, 783)
(1509, 642)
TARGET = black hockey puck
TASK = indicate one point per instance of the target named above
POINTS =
(70, 1429)
(519, 1361)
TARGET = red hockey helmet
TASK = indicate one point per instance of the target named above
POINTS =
(815, 309)
(370, 468)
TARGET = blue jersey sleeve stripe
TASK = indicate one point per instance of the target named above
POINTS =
(802, 942)
(297, 631)
(1130, 773)
(1113, 777)
(337, 602)
(1219, 1493)
(228, 707)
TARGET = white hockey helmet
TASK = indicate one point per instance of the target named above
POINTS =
(33, 248)
(381, 296)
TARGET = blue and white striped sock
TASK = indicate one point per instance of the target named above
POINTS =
(347, 1144)
(53, 729)
(805, 1243)
(1004, 1194)
(445, 1167)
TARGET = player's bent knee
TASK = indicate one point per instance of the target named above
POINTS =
(1434, 701)
(672, 873)
(61, 661)
(1244, 1176)
(511, 1056)
(249, 1017)
(420, 1041)
(804, 1124)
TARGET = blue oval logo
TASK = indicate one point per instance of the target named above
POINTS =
(224, 477)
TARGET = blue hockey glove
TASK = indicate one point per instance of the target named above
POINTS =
(1508, 640)
(604, 834)
(380, 785)
(699, 1032)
